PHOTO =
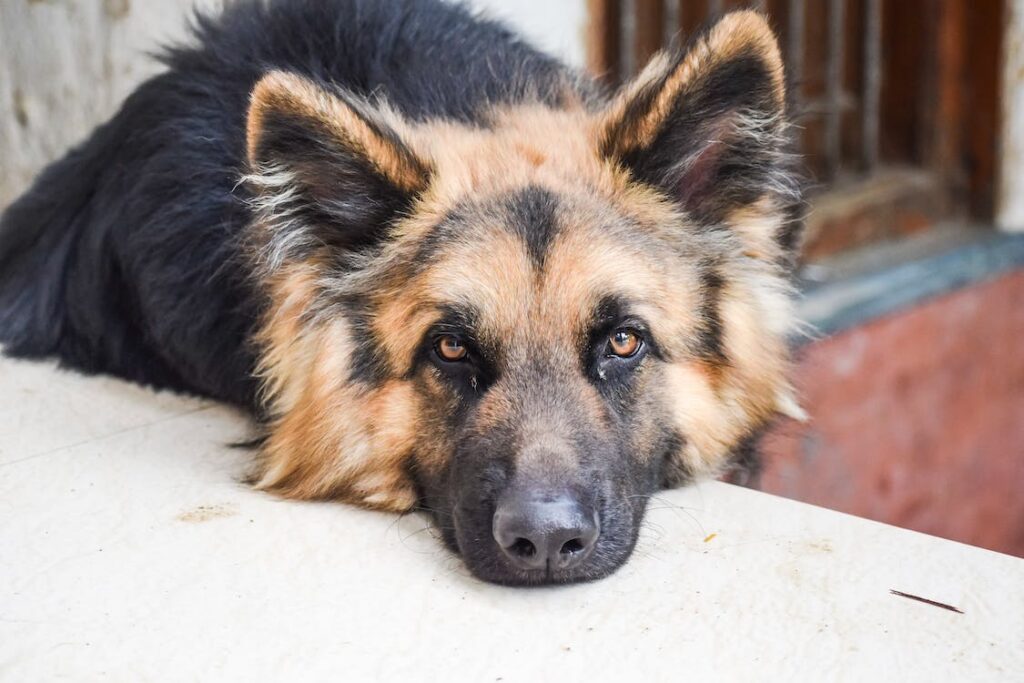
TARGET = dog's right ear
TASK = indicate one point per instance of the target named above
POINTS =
(326, 167)
(707, 126)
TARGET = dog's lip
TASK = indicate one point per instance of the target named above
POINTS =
(539, 578)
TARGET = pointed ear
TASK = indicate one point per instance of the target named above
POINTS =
(708, 126)
(326, 167)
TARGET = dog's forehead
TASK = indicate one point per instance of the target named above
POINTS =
(537, 259)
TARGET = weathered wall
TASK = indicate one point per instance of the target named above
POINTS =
(65, 65)
(917, 419)
(556, 26)
(1010, 195)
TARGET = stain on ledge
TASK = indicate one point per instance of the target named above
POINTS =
(204, 513)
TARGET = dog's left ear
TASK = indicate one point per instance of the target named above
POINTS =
(326, 167)
(708, 126)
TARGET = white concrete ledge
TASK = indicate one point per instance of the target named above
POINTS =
(130, 552)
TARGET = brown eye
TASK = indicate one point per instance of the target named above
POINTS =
(451, 348)
(624, 343)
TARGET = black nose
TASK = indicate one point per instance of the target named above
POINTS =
(553, 532)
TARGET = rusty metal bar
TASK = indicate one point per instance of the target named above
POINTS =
(795, 47)
(871, 97)
(834, 89)
(627, 40)
(673, 20)
(603, 39)
(649, 30)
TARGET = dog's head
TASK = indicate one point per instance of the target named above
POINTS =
(527, 326)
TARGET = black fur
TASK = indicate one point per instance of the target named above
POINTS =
(367, 364)
(123, 257)
(532, 216)
(709, 339)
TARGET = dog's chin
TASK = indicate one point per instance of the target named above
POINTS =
(492, 568)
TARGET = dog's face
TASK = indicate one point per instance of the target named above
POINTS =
(527, 327)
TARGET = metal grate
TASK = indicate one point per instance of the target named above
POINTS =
(896, 99)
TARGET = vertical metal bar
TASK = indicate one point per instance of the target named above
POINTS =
(871, 97)
(627, 40)
(672, 22)
(759, 5)
(649, 29)
(603, 39)
(834, 88)
(715, 7)
(795, 47)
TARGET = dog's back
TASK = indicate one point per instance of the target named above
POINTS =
(123, 256)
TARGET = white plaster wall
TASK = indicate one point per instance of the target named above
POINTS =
(1010, 196)
(556, 26)
(66, 65)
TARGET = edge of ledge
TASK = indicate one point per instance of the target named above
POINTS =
(836, 305)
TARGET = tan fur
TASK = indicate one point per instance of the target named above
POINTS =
(494, 275)
(715, 406)
(473, 162)
(341, 440)
(757, 225)
(288, 350)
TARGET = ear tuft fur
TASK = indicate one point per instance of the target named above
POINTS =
(326, 167)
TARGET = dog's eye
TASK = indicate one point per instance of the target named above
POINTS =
(450, 348)
(624, 343)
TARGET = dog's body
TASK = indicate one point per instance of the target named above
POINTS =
(124, 256)
(441, 266)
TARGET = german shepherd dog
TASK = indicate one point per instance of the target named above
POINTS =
(443, 270)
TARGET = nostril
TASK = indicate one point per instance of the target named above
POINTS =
(546, 532)
(572, 546)
(523, 547)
